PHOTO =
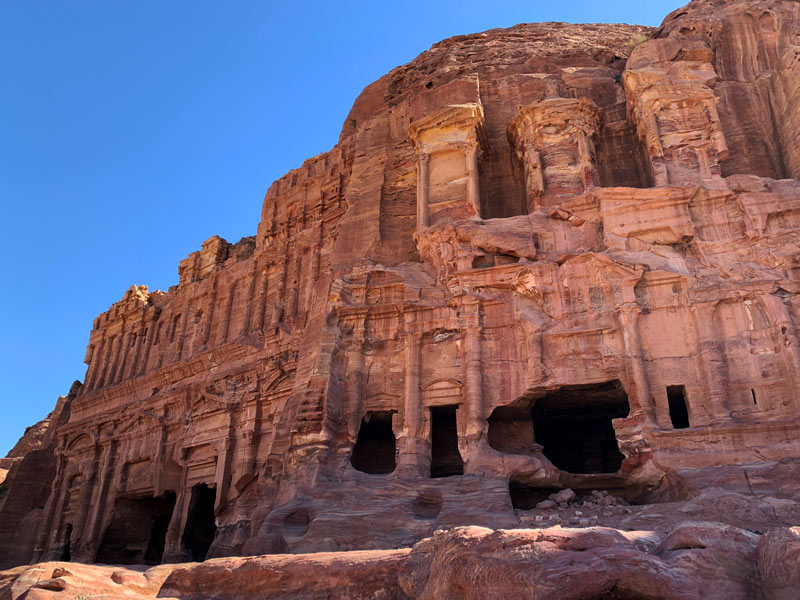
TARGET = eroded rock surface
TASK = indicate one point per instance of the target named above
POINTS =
(695, 560)
(543, 258)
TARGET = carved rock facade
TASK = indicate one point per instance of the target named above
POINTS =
(531, 263)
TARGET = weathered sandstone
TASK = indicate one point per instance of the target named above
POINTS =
(694, 560)
(539, 258)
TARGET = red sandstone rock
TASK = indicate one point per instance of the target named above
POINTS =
(778, 558)
(531, 263)
(695, 560)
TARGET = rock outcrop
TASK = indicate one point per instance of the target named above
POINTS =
(695, 560)
(548, 257)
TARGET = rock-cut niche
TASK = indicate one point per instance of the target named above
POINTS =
(375, 447)
(445, 458)
(572, 426)
(200, 523)
(137, 532)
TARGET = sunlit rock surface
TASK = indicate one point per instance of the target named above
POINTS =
(544, 258)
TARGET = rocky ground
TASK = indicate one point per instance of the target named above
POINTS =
(695, 559)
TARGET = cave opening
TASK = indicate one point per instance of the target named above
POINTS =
(511, 429)
(137, 532)
(574, 426)
(678, 411)
(445, 458)
(375, 447)
(526, 497)
(201, 526)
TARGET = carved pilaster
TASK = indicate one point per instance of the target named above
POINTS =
(423, 184)
(638, 389)
(711, 358)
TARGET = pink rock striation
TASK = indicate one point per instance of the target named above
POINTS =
(542, 258)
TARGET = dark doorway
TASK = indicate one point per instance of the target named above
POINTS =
(66, 555)
(526, 497)
(511, 429)
(445, 458)
(678, 412)
(158, 539)
(374, 450)
(201, 527)
(137, 531)
(573, 424)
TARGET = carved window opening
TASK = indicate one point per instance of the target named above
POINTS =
(137, 532)
(375, 447)
(511, 430)
(445, 458)
(526, 497)
(753, 394)
(678, 411)
(201, 527)
(574, 426)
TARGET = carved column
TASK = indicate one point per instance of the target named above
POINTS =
(182, 335)
(414, 450)
(277, 309)
(222, 474)
(294, 282)
(92, 537)
(472, 331)
(125, 341)
(261, 300)
(423, 185)
(225, 322)
(148, 344)
(95, 366)
(711, 359)
(789, 342)
(108, 368)
(473, 392)
(639, 390)
(473, 184)
(80, 531)
(172, 545)
(212, 305)
(139, 343)
(251, 299)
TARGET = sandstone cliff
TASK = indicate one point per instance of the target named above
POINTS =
(545, 258)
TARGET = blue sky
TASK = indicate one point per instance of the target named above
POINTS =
(132, 131)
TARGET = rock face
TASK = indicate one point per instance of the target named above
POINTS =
(693, 561)
(538, 258)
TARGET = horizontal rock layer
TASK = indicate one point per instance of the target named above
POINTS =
(548, 257)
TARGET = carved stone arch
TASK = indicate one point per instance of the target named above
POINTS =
(278, 380)
(81, 440)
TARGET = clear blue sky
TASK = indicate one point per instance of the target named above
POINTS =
(131, 131)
